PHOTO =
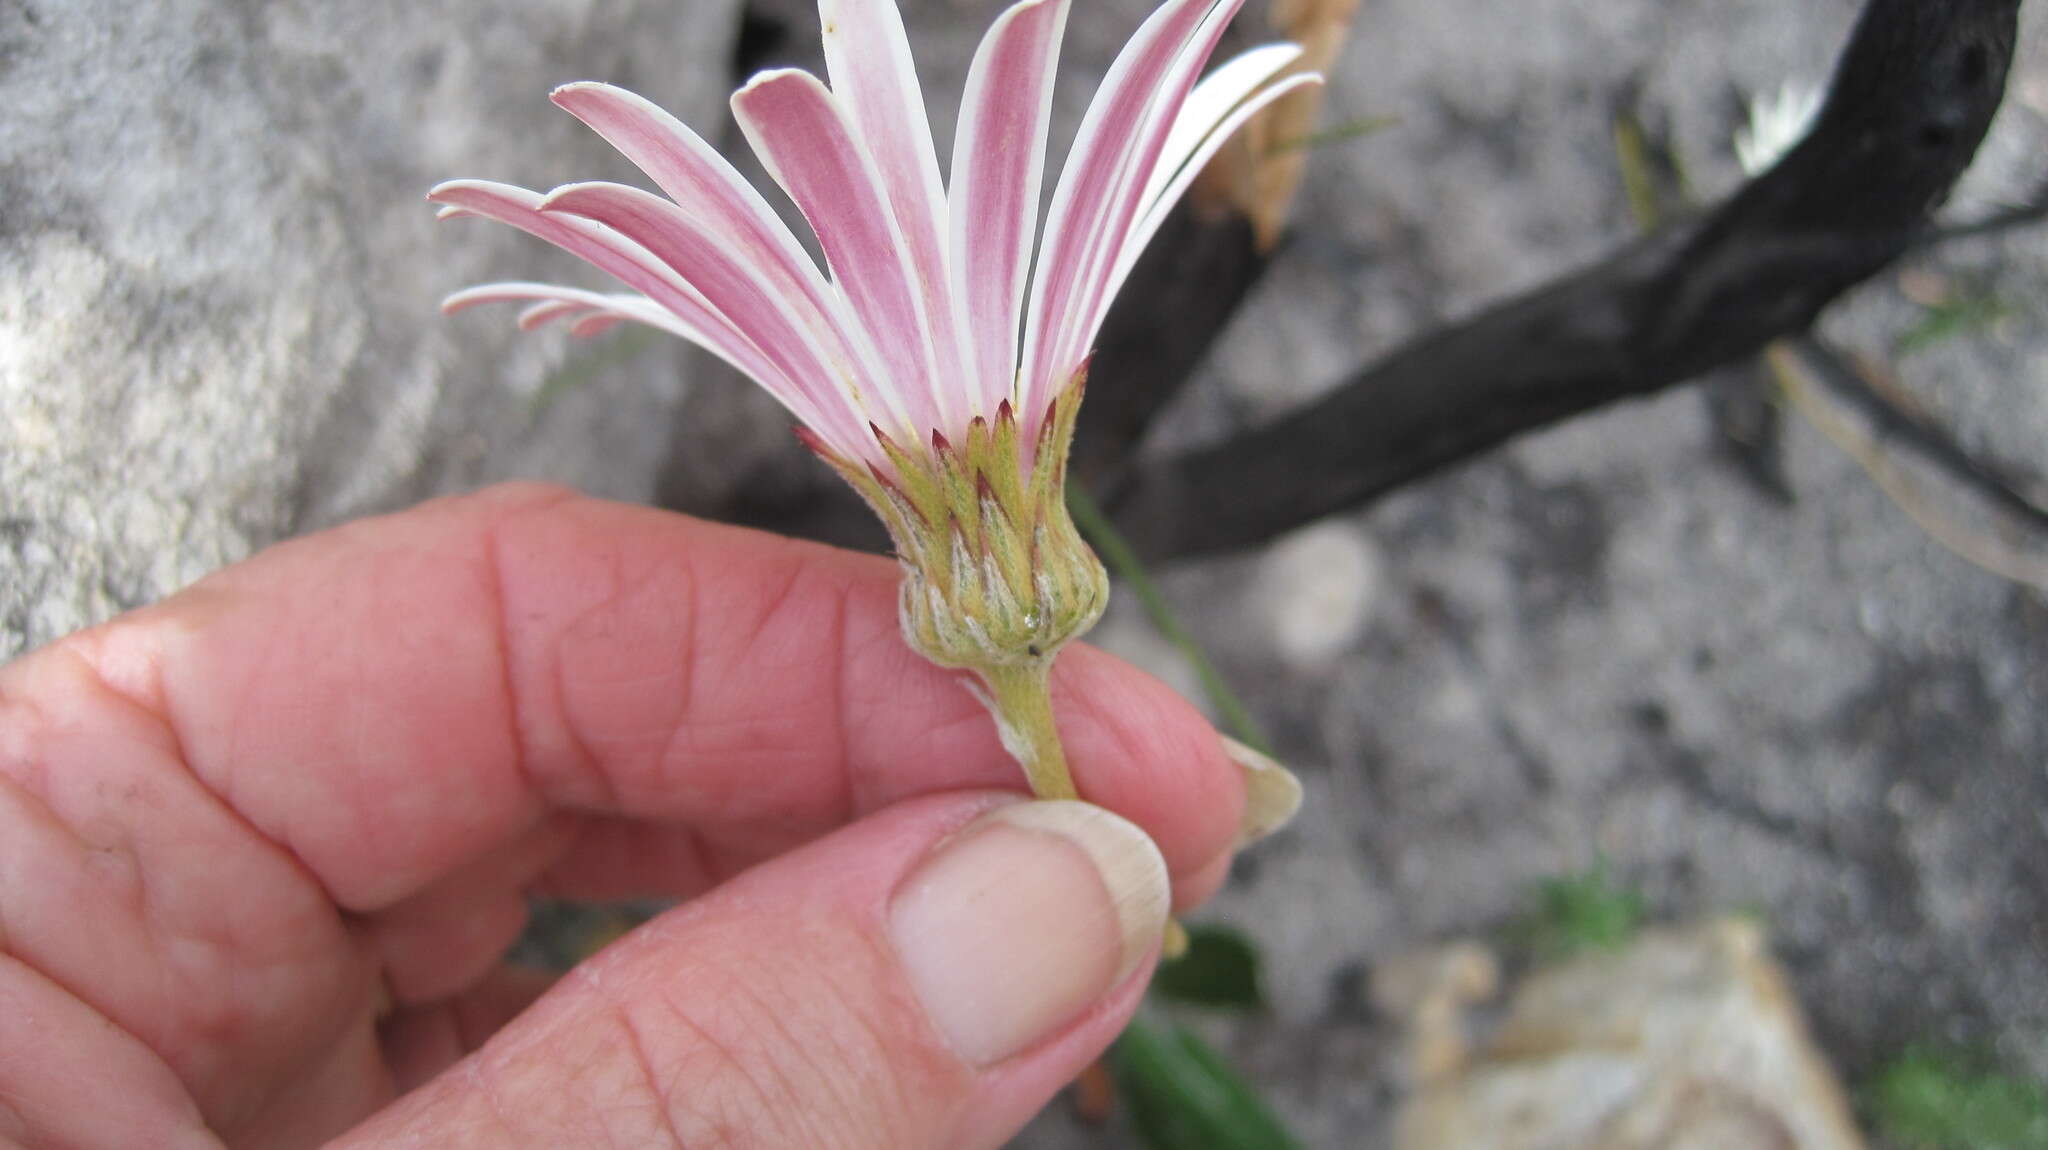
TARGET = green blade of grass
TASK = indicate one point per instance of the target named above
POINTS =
(1632, 156)
(587, 364)
(1351, 129)
(1126, 565)
(1949, 320)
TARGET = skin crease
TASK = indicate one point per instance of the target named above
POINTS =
(262, 844)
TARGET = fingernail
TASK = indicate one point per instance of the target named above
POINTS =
(1272, 795)
(1015, 926)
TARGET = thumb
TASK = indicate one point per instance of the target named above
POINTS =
(926, 978)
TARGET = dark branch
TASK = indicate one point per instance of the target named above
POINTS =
(1913, 95)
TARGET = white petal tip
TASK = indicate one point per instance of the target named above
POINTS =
(554, 200)
(1275, 55)
(587, 92)
(773, 76)
(446, 190)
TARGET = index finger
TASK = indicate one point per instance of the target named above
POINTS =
(395, 697)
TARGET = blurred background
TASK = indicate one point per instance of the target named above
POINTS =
(1679, 658)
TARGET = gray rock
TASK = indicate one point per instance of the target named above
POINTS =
(218, 278)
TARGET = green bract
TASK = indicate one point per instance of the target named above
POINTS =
(995, 577)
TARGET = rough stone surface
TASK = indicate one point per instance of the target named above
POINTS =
(218, 278)
(216, 328)
(1686, 1039)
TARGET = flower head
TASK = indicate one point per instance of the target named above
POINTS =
(938, 365)
(1777, 122)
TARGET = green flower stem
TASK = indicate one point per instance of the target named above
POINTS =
(1020, 694)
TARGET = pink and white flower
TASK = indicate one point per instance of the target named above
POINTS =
(923, 323)
(934, 367)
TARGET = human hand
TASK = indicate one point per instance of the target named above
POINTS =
(263, 846)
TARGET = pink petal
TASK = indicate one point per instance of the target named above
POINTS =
(802, 137)
(1086, 201)
(790, 335)
(610, 252)
(541, 314)
(1140, 160)
(641, 270)
(596, 323)
(706, 187)
(1212, 100)
(553, 301)
(874, 80)
(1161, 204)
(521, 292)
(998, 167)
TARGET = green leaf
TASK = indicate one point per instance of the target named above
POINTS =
(1220, 969)
(1931, 1101)
(1183, 1096)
